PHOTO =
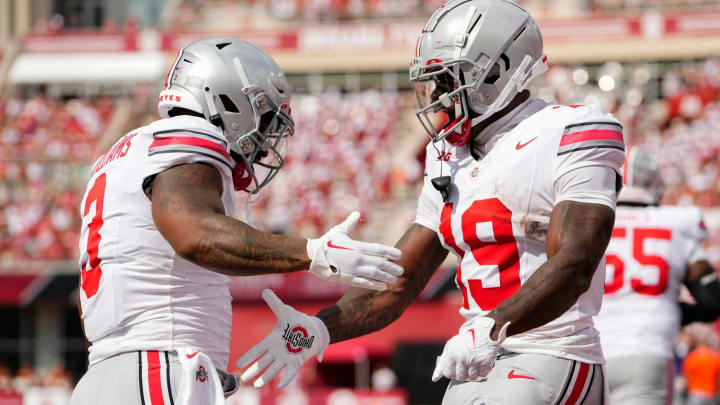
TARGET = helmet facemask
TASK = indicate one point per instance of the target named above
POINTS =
(259, 150)
(437, 95)
(262, 149)
(441, 94)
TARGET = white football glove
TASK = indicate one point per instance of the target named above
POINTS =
(471, 354)
(294, 340)
(337, 258)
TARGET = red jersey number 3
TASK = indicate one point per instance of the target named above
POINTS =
(91, 277)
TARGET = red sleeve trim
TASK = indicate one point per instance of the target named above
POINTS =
(192, 141)
(591, 135)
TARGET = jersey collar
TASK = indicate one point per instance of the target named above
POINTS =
(483, 142)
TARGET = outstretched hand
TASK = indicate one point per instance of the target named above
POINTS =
(338, 258)
(295, 338)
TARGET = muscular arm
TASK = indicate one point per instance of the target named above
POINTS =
(577, 237)
(702, 282)
(361, 311)
(188, 210)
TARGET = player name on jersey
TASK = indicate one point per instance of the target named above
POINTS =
(120, 149)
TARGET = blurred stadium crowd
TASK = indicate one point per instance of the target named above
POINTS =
(27, 386)
(352, 149)
(219, 15)
(321, 10)
(26, 377)
(338, 139)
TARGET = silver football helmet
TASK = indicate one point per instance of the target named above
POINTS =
(236, 86)
(643, 183)
(473, 55)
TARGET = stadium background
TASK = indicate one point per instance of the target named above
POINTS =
(76, 74)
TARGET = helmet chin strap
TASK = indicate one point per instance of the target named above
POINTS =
(442, 183)
(215, 118)
(251, 220)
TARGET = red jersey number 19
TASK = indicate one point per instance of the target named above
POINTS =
(496, 248)
(91, 277)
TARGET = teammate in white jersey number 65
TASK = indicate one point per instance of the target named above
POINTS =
(654, 250)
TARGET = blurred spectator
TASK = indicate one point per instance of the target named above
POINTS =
(5, 379)
(702, 373)
(25, 378)
(45, 387)
(57, 377)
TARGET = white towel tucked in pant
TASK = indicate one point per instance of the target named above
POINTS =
(200, 383)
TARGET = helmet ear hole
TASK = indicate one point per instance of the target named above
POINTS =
(493, 75)
(228, 104)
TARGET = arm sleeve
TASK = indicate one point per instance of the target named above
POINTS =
(428, 210)
(176, 147)
(589, 158)
(588, 184)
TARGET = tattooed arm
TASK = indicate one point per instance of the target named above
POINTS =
(188, 210)
(361, 311)
(577, 238)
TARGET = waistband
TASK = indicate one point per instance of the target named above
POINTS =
(154, 367)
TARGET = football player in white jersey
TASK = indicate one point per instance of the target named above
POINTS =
(158, 236)
(523, 193)
(653, 251)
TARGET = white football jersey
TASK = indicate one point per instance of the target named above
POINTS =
(136, 292)
(647, 261)
(499, 207)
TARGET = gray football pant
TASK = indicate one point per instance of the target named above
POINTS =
(137, 378)
(639, 380)
(537, 379)
(124, 379)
